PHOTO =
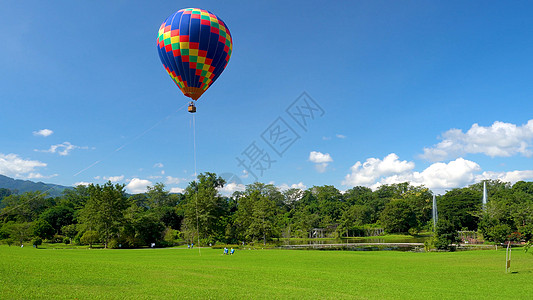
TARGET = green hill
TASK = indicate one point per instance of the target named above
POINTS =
(19, 186)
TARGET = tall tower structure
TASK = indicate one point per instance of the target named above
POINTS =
(434, 212)
(484, 201)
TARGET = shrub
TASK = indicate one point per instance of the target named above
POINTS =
(171, 236)
(90, 237)
(9, 241)
(414, 231)
(57, 239)
(527, 232)
(37, 242)
(446, 235)
(428, 244)
(515, 236)
(443, 243)
(70, 231)
(498, 233)
(114, 244)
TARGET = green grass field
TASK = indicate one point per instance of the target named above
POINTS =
(270, 274)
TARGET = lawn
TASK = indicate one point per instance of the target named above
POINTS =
(182, 273)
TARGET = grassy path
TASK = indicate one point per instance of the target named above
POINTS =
(289, 274)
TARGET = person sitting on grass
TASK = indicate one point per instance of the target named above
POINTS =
(232, 251)
(225, 251)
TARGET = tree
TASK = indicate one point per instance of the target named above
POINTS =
(526, 232)
(359, 195)
(90, 237)
(75, 198)
(268, 190)
(494, 186)
(42, 229)
(459, 207)
(243, 215)
(70, 231)
(170, 216)
(148, 229)
(508, 210)
(256, 215)
(163, 205)
(4, 193)
(525, 187)
(445, 235)
(493, 230)
(203, 209)
(398, 216)
(330, 204)
(20, 232)
(291, 197)
(499, 233)
(159, 197)
(355, 216)
(304, 220)
(58, 216)
(104, 210)
(6, 233)
(385, 194)
(26, 207)
(264, 218)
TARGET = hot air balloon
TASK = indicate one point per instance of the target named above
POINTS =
(194, 46)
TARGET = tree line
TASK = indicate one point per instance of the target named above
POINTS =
(105, 214)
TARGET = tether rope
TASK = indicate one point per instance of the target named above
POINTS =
(198, 185)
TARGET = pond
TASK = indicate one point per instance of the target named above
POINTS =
(360, 247)
(357, 240)
(389, 243)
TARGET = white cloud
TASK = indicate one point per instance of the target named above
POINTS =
(137, 186)
(456, 173)
(43, 132)
(177, 190)
(14, 166)
(114, 178)
(340, 136)
(318, 157)
(40, 176)
(84, 183)
(321, 160)
(437, 177)
(174, 180)
(372, 169)
(62, 149)
(511, 176)
(230, 188)
(158, 165)
(500, 139)
(299, 185)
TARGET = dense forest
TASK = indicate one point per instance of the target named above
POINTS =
(105, 214)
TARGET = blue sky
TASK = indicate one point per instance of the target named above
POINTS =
(436, 93)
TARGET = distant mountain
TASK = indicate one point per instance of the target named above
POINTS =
(23, 186)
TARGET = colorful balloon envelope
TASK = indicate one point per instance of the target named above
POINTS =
(194, 46)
